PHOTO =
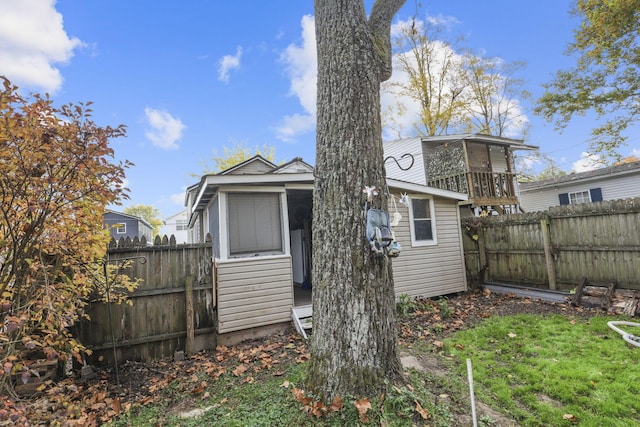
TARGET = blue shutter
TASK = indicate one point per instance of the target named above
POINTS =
(596, 194)
(564, 198)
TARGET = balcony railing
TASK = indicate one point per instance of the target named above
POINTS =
(479, 185)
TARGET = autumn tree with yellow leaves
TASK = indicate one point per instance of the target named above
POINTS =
(57, 175)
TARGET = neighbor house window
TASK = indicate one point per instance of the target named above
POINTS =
(121, 228)
(255, 224)
(422, 222)
(181, 224)
(579, 197)
(587, 196)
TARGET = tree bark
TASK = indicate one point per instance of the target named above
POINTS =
(354, 342)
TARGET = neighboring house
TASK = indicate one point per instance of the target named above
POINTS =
(178, 226)
(611, 183)
(259, 218)
(480, 166)
(122, 225)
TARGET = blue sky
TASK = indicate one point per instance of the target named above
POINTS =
(191, 77)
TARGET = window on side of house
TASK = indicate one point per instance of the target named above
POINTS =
(255, 224)
(586, 196)
(422, 221)
(579, 197)
(121, 228)
(181, 224)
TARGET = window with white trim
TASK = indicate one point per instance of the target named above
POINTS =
(181, 225)
(121, 228)
(579, 197)
(422, 221)
(255, 224)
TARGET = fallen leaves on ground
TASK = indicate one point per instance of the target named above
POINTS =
(76, 401)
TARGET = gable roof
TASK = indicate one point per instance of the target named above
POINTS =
(255, 159)
(128, 216)
(296, 165)
(611, 171)
(199, 195)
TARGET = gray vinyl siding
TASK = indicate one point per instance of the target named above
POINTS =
(397, 149)
(251, 168)
(613, 188)
(254, 292)
(214, 226)
(430, 271)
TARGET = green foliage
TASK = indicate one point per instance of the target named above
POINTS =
(445, 310)
(270, 402)
(57, 175)
(405, 305)
(552, 370)
(148, 213)
(606, 78)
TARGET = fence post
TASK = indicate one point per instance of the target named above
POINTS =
(188, 290)
(548, 255)
(482, 255)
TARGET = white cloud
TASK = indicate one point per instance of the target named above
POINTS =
(177, 198)
(228, 63)
(587, 162)
(165, 130)
(635, 152)
(301, 63)
(443, 21)
(302, 68)
(401, 112)
(32, 42)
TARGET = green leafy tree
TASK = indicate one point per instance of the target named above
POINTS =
(148, 213)
(236, 154)
(57, 175)
(606, 78)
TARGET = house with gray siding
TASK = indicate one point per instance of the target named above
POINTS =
(259, 221)
(611, 183)
(480, 166)
(122, 225)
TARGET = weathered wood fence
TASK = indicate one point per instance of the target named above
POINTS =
(174, 308)
(557, 248)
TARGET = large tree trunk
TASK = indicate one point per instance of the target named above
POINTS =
(354, 343)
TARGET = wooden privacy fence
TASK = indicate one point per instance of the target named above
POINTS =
(172, 309)
(557, 248)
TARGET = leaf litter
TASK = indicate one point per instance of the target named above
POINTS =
(76, 401)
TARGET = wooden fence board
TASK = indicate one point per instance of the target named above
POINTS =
(599, 241)
(154, 325)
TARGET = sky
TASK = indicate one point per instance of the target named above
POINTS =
(189, 78)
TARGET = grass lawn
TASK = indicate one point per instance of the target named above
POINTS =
(553, 371)
(552, 366)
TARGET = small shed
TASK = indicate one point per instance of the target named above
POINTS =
(260, 223)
